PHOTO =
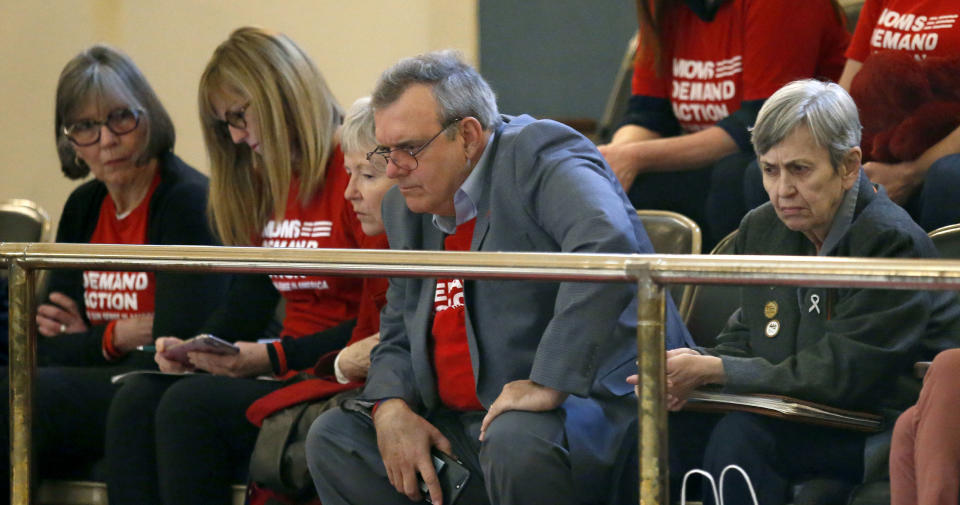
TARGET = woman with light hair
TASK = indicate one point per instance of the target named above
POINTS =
(850, 348)
(277, 180)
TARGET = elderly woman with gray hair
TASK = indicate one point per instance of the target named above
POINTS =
(847, 347)
(111, 125)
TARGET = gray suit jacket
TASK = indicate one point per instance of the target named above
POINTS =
(546, 189)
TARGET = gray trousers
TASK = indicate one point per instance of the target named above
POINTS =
(522, 460)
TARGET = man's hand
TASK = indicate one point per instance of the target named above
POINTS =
(624, 159)
(354, 360)
(686, 372)
(251, 361)
(635, 380)
(899, 179)
(522, 395)
(60, 316)
(405, 439)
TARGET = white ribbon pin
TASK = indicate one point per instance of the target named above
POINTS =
(814, 303)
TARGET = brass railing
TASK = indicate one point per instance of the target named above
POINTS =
(649, 271)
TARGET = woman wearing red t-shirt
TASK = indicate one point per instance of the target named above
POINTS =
(928, 30)
(702, 72)
(110, 123)
(277, 180)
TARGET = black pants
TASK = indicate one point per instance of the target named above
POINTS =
(774, 453)
(715, 197)
(69, 420)
(182, 441)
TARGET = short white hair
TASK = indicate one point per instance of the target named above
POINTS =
(825, 108)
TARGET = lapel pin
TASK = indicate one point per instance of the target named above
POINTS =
(773, 327)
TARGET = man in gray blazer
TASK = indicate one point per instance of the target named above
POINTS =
(524, 382)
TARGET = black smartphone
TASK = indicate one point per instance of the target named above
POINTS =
(453, 476)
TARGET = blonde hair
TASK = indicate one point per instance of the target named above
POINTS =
(297, 115)
(357, 133)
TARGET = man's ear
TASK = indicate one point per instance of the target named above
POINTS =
(473, 137)
(851, 167)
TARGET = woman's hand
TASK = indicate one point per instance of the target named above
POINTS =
(251, 361)
(624, 159)
(899, 179)
(635, 378)
(686, 372)
(60, 316)
(354, 360)
(132, 332)
(166, 365)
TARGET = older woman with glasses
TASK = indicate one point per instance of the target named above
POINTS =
(109, 123)
(277, 180)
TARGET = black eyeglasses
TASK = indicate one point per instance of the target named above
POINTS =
(86, 132)
(404, 158)
(235, 118)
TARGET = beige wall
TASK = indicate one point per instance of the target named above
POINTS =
(351, 42)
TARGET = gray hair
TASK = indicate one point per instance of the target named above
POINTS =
(824, 108)
(357, 132)
(95, 74)
(459, 89)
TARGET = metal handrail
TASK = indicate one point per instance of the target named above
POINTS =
(649, 271)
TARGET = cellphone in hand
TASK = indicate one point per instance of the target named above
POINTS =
(453, 476)
(199, 343)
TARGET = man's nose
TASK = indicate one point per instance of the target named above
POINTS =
(394, 171)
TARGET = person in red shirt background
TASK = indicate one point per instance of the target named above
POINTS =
(928, 30)
(278, 180)
(703, 70)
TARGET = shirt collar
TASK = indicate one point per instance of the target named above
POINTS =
(465, 199)
(844, 218)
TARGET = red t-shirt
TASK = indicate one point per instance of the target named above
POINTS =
(451, 353)
(315, 303)
(373, 299)
(921, 27)
(749, 50)
(108, 296)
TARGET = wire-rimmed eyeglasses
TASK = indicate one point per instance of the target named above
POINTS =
(235, 118)
(404, 158)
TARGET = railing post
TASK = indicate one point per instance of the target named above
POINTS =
(23, 363)
(654, 478)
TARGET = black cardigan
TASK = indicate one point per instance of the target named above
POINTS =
(176, 216)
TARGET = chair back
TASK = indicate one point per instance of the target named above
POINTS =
(712, 305)
(947, 241)
(22, 221)
(851, 9)
(673, 233)
(619, 97)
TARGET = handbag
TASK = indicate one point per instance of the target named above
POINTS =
(279, 461)
(717, 495)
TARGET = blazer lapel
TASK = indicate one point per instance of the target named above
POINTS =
(422, 324)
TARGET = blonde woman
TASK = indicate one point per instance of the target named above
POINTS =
(277, 180)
